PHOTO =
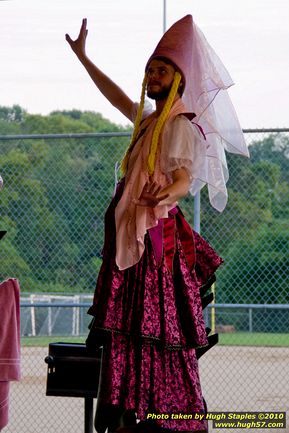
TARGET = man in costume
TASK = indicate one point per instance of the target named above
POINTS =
(147, 306)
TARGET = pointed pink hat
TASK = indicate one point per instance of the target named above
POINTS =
(176, 46)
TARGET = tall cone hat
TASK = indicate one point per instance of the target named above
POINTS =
(176, 46)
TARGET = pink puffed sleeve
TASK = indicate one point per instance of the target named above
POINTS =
(183, 146)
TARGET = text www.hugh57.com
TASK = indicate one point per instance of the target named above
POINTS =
(249, 424)
(248, 420)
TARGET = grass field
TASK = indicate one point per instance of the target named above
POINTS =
(228, 339)
(254, 339)
(44, 341)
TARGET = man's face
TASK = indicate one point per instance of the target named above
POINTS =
(160, 78)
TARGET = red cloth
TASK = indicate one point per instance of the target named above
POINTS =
(163, 238)
(9, 342)
(4, 404)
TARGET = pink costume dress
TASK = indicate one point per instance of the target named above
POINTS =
(149, 314)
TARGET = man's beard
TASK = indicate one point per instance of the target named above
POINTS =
(159, 95)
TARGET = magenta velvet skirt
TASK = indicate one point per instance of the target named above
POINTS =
(153, 316)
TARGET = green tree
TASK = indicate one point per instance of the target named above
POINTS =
(55, 194)
(257, 269)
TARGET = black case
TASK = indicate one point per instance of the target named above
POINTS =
(73, 370)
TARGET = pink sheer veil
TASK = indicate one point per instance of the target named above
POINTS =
(206, 95)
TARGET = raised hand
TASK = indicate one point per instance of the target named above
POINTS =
(78, 46)
(149, 196)
(105, 85)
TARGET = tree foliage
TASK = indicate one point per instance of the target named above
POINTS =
(252, 233)
(54, 198)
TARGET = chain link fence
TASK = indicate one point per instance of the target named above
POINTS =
(56, 190)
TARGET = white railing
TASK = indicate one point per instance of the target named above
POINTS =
(66, 315)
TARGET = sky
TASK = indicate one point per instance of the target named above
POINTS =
(39, 71)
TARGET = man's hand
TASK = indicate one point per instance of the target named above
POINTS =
(106, 86)
(149, 196)
(78, 46)
(153, 195)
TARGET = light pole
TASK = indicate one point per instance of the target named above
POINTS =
(165, 16)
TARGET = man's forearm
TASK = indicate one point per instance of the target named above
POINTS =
(175, 191)
(107, 87)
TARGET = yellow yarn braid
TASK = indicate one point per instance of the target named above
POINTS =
(137, 122)
(160, 123)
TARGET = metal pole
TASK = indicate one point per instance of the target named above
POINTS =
(33, 321)
(250, 320)
(213, 309)
(197, 212)
(49, 318)
(165, 17)
(88, 415)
